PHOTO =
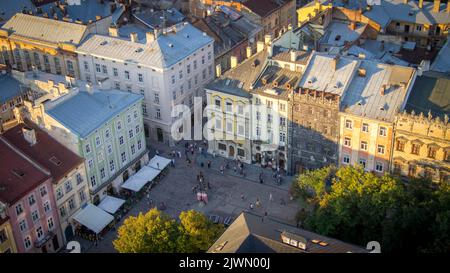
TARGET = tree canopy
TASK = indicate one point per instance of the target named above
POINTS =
(156, 232)
(360, 207)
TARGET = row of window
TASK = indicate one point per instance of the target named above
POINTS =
(112, 165)
(364, 146)
(72, 204)
(416, 147)
(67, 187)
(39, 233)
(379, 166)
(31, 200)
(365, 128)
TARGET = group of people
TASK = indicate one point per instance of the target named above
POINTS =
(202, 185)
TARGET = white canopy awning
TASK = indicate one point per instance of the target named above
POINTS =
(111, 204)
(159, 162)
(139, 179)
(93, 218)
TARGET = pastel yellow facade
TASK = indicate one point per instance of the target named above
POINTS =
(230, 128)
(7, 243)
(307, 12)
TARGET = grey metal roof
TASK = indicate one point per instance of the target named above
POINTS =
(364, 98)
(154, 18)
(83, 112)
(249, 233)
(397, 10)
(9, 88)
(442, 61)
(277, 76)
(238, 81)
(9, 8)
(321, 76)
(430, 93)
(44, 29)
(337, 33)
(165, 51)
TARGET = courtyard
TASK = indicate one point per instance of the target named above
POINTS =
(230, 193)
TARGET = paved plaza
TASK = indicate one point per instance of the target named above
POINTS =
(230, 193)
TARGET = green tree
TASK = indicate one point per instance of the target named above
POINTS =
(156, 232)
(311, 185)
(153, 232)
(360, 207)
(199, 231)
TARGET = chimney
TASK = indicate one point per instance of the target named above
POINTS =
(383, 90)
(150, 37)
(335, 62)
(89, 88)
(259, 46)
(353, 25)
(448, 7)
(29, 135)
(267, 39)
(293, 55)
(112, 7)
(113, 31)
(233, 61)
(98, 17)
(270, 50)
(249, 51)
(437, 5)
(218, 70)
(420, 4)
(405, 1)
(134, 37)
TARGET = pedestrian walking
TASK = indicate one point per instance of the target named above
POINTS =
(209, 186)
(270, 197)
(221, 169)
(157, 164)
(209, 164)
(242, 196)
(251, 206)
(234, 168)
(258, 203)
(173, 162)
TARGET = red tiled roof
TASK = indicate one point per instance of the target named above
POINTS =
(263, 7)
(18, 174)
(46, 147)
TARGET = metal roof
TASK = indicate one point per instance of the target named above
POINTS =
(364, 97)
(442, 61)
(164, 52)
(83, 113)
(397, 10)
(251, 233)
(44, 29)
(9, 88)
(320, 74)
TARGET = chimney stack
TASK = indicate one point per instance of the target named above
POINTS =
(259, 46)
(405, 1)
(134, 37)
(267, 39)
(335, 62)
(353, 25)
(383, 90)
(436, 6)
(113, 31)
(233, 61)
(249, 51)
(293, 55)
(420, 4)
(218, 70)
(448, 7)
(150, 37)
(29, 135)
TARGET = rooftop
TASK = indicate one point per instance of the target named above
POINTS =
(338, 33)
(277, 81)
(7, 10)
(9, 88)
(44, 29)
(284, 55)
(48, 152)
(165, 51)
(442, 61)
(430, 93)
(264, 8)
(83, 113)
(237, 81)
(249, 233)
(321, 75)
(365, 97)
(19, 174)
(154, 18)
(397, 10)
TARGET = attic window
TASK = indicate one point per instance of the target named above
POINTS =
(362, 72)
(103, 43)
(227, 82)
(139, 50)
(220, 246)
(337, 85)
(337, 38)
(170, 45)
(323, 243)
(18, 173)
(55, 160)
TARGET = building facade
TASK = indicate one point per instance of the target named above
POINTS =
(103, 127)
(7, 243)
(69, 183)
(170, 67)
(30, 42)
(28, 201)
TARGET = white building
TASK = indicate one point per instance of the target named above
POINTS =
(168, 67)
